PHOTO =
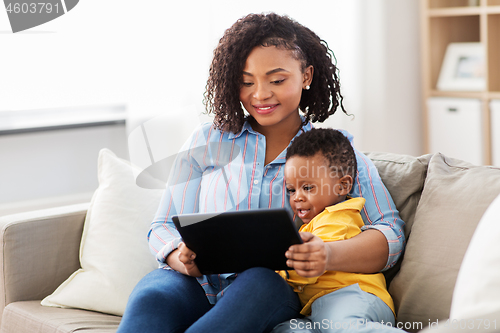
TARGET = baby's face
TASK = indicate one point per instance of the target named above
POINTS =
(312, 185)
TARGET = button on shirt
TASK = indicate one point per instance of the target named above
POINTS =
(219, 171)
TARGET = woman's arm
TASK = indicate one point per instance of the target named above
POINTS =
(364, 253)
(179, 197)
(379, 213)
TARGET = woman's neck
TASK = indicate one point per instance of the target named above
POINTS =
(278, 136)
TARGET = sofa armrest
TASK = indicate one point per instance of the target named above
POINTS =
(38, 251)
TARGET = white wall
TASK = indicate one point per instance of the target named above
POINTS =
(391, 106)
(51, 168)
(154, 56)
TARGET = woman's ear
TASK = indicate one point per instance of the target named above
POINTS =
(308, 76)
(345, 183)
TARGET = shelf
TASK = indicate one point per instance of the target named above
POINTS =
(494, 52)
(446, 30)
(484, 95)
(492, 10)
(452, 5)
(463, 11)
(494, 95)
(455, 11)
(449, 3)
(458, 94)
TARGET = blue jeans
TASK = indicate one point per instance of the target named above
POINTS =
(167, 301)
(349, 309)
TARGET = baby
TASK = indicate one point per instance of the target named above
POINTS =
(320, 171)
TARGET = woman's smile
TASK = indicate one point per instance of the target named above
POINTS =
(265, 108)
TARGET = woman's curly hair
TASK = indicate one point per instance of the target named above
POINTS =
(221, 96)
(332, 144)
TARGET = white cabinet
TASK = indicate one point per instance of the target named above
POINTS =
(455, 128)
(495, 132)
(461, 21)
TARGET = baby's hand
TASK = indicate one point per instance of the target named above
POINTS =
(186, 257)
(308, 259)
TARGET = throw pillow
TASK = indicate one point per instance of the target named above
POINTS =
(477, 290)
(114, 252)
(404, 177)
(455, 196)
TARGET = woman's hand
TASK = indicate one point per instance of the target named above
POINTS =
(310, 258)
(182, 260)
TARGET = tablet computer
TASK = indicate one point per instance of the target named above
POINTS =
(231, 242)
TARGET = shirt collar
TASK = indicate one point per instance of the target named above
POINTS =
(248, 128)
(352, 203)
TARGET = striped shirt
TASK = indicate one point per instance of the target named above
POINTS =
(219, 171)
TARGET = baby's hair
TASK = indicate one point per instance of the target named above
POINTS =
(332, 144)
(222, 92)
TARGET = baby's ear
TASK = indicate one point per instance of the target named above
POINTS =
(346, 183)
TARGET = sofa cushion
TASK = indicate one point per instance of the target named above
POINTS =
(114, 251)
(455, 196)
(31, 317)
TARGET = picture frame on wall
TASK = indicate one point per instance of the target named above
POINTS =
(463, 68)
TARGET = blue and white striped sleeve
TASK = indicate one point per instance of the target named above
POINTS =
(179, 197)
(379, 211)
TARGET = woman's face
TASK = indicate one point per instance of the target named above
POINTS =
(272, 86)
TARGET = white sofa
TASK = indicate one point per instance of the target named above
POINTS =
(441, 200)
